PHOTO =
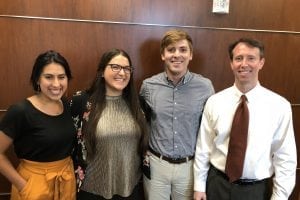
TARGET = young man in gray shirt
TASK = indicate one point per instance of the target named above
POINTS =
(173, 102)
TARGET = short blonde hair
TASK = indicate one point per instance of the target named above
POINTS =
(173, 36)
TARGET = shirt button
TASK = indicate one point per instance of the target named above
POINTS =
(175, 146)
(175, 132)
(175, 117)
(175, 103)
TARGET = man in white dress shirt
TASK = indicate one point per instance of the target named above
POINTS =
(271, 150)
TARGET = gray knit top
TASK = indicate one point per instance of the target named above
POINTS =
(116, 168)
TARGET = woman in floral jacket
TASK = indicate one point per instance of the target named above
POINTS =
(112, 133)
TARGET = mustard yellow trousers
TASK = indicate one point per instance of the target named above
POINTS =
(46, 181)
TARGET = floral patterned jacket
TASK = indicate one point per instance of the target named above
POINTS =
(80, 109)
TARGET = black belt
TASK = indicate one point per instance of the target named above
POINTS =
(171, 160)
(239, 181)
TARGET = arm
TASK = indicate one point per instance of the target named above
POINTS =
(199, 196)
(202, 155)
(79, 112)
(142, 97)
(78, 107)
(6, 168)
(284, 158)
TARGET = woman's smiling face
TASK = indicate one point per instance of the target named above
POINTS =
(116, 81)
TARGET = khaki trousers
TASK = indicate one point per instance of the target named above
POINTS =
(46, 181)
(169, 180)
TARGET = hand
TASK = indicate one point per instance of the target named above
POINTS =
(21, 184)
(199, 195)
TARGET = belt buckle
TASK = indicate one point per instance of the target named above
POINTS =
(245, 182)
(174, 160)
(179, 160)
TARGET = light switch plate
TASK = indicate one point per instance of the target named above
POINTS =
(221, 6)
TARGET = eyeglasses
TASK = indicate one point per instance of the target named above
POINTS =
(117, 68)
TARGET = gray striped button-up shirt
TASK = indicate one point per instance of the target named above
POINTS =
(175, 112)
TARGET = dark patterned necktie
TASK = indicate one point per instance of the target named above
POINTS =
(238, 141)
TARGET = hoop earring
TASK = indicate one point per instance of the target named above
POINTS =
(38, 88)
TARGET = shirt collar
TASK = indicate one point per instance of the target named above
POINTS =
(185, 78)
(250, 94)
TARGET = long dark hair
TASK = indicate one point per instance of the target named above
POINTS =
(97, 98)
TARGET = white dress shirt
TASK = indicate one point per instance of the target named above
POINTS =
(271, 147)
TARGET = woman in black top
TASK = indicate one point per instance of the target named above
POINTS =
(41, 129)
